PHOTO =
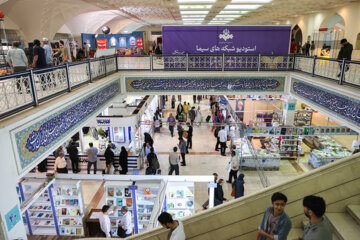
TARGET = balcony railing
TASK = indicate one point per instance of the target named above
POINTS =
(24, 90)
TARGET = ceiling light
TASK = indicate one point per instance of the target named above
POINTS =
(247, 7)
(192, 23)
(216, 23)
(193, 16)
(233, 12)
(196, 1)
(193, 20)
(194, 12)
(251, 1)
(231, 16)
(228, 19)
(195, 6)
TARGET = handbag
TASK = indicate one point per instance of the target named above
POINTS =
(121, 232)
(233, 191)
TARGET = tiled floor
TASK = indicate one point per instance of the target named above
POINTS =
(204, 160)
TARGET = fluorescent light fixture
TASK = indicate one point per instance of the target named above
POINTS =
(251, 1)
(247, 7)
(211, 23)
(223, 19)
(193, 19)
(194, 12)
(191, 23)
(196, 1)
(227, 16)
(233, 12)
(193, 16)
(214, 21)
(195, 7)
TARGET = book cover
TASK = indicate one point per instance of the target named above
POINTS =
(74, 191)
(147, 191)
(62, 230)
(129, 202)
(110, 192)
(180, 193)
(71, 202)
(63, 211)
(66, 221)
(110, 202)
(119, 192)
(76, 202)
(119, 202)
(127, 192)
(72, 222)
(78, 231)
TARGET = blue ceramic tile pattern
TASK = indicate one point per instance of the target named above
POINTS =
(239, 84)
(345, 107)
(36, 139)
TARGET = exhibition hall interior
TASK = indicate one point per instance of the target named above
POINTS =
(180, 119)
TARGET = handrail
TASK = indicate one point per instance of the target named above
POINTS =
(47, 83)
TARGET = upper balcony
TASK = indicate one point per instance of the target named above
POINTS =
(31, 88)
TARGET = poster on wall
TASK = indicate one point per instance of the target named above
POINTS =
(122, 42)
(101, 43)
(113, 41)
(132, 41)
(139, 42)
(12, 217)
(226, 39)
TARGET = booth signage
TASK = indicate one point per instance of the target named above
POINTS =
(212, 185)
(103, 122)
(101, 43)
(139, 43)
(226, 39)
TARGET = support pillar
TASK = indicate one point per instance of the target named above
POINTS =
(289, 111)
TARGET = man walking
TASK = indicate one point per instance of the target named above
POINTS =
(345, 53)
(92, 157)
(190, 134)
(216, 134)
(318, 226)
(174, 160)
(171, 122)
(74, 157)
(234, 167)
(182, 147)
(223, 139)
(192, 115)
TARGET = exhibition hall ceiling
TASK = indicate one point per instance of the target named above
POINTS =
(215, 12)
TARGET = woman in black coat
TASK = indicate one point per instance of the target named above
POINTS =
(219, 193)
(123, 161)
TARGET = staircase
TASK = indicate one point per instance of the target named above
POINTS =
(346, 226)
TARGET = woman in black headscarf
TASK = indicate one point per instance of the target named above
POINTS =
(123, 161)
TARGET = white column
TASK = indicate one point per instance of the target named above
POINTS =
(9, 199)
(82, 143)
(289, 111)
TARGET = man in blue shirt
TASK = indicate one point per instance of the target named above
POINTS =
(39, 60)
(275, 224)
(48, 52)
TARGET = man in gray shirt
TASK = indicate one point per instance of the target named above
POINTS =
(318, 227)
(48, 52)
(174, 160)
(92, 157)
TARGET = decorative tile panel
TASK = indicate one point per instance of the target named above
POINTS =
(345, 107)
(257, 84)
(33, 141)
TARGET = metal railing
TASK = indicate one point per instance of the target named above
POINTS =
(23, 90)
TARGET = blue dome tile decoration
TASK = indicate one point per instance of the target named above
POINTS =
(174, 84)
(341, 105)
(33, 141)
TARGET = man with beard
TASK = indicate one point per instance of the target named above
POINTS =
(318, 227)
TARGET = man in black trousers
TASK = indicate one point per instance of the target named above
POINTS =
(190, 134)
(74, 157)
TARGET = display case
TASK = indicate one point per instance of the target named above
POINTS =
(303, 118)
(289, 147)
(69, 207)
(266, 119)
(179, 201)
(330, 152)
(139, 198)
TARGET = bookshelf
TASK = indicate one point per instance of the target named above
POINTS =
(179, 201)
(69, 208)
(303, 118)
(289, 147)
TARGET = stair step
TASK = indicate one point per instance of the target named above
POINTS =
(295, 233)
(354, 211)
(344, 226)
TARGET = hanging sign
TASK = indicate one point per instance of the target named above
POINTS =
(101, 43)
(139, 42)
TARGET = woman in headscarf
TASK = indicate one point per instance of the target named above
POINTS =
(123, 161)
(239, 186)
(198, 116)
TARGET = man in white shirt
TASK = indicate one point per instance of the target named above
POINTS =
(175, 226)
(125, 222)
(60, 164)
(223, 139)
(174, 160)
(105, 220)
